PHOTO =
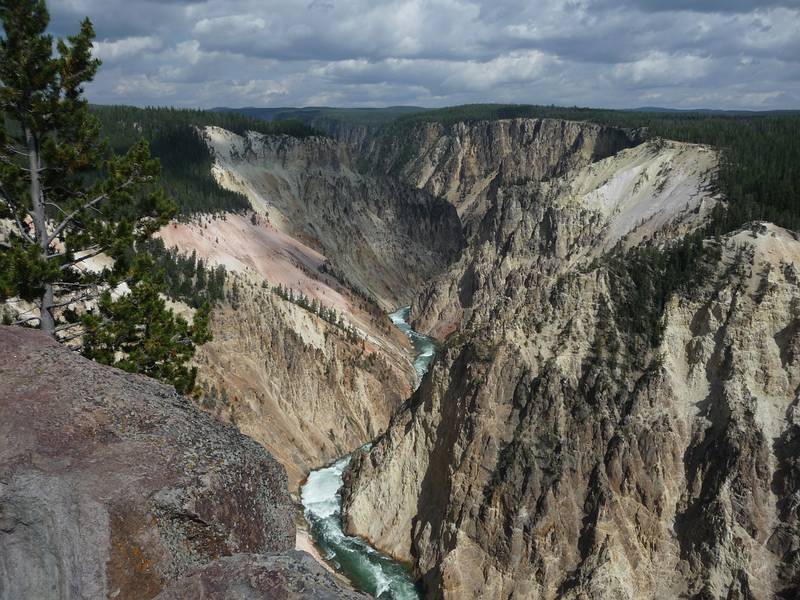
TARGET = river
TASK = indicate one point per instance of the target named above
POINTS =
(368, 569)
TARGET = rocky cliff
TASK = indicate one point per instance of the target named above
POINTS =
(358, 137)
(295, 383)
(465, 163)
(113, 486)
(383, 237)
(654, 191)
(358, 244)
(569, 442)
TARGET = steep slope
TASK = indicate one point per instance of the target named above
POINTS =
(550, 452)
(527, 463)
(358, 245)
(297, 384)
(259, 253)
(382, 237)
(113, 486)
(656, 190)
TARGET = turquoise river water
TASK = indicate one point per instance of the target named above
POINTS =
(368, 569)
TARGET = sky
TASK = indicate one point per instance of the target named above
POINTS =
(730, 54)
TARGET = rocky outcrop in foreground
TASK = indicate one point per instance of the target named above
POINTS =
(112, 485)
(250, 577)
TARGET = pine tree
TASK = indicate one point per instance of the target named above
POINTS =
(139, 334)
(49, 146)
(71, 199)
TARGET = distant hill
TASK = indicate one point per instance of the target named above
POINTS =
(308, 114)
(712, 111)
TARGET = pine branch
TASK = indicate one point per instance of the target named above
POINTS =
(68, 219)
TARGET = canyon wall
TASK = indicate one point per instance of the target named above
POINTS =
(360, 245)
(572, 442)
(295, 383)
(465, 163)
(382, 237)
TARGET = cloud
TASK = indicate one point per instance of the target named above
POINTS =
(142, 84)
(657, 68)
(616, 53)
(126, 48)
(231, 27)
(264, 90)
(712, 6)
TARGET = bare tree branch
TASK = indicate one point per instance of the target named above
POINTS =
(11, 163)
(56, 206)
(75, 261)
(69, 338)
(74, 285)
(66, 326)
(21, 321)
(12, 148)
(22, 229)
(80, 298)
(60, 254)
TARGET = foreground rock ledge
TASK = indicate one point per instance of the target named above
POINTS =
(252, 577)
(112, 485)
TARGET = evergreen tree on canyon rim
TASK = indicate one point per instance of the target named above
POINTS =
(69, 199)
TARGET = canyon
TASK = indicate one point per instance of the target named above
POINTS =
(585, 430)
(357, 244)
(550, 452)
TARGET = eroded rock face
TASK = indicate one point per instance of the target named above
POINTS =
(465, 163)
(383, 237)
(528, 464)
(655, 191)
(549, 454)
(112, 485)
(358, 244)
(297, 384)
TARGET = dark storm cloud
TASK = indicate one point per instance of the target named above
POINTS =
(731, 54)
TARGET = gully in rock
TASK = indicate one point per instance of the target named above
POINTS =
(368, 569)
